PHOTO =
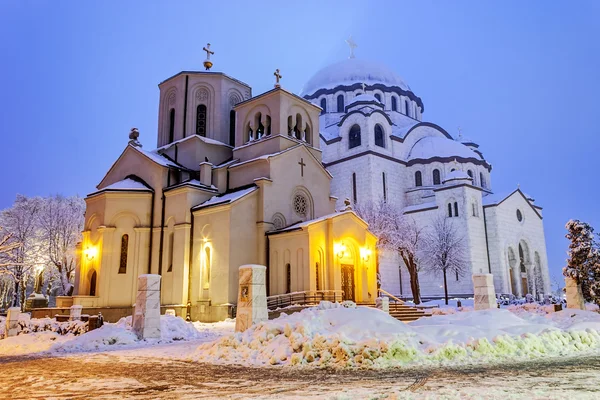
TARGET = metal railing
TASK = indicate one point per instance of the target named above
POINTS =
(391, 296)
(309, 297)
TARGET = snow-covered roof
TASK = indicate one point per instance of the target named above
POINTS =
(364, 98)
(127, 185)
(202, 138)
(226, 198)
(435, 146)
(351, 71)
(457, 175)
(157, 158)
(419, 207)
(304, 224)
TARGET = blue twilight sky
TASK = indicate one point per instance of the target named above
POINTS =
(520, 78)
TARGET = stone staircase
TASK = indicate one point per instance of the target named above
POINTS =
(403, 313)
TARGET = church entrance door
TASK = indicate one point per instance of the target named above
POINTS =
(348, 281)
(524, 286)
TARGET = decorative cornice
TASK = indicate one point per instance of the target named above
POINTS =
(378, 86)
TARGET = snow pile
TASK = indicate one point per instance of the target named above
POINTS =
(104, 338)
(366, 337)
(27, 325)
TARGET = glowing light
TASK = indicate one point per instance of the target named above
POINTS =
(365, 254)
(339, 249)
(90, 252)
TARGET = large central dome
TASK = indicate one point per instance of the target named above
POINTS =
(351, 71)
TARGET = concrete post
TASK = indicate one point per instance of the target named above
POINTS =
(252, 297)
(75, 313)
(485, 294)
(574, 294)
(12, 321)
(146, 316)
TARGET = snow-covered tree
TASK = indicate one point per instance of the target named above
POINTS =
(61, 222)
(396, 232)
(21, 222)
(583, 263)
(445, 250)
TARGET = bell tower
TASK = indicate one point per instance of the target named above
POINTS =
(199, 103)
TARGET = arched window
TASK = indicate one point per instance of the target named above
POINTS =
(288, 278)
(407, 108)
(450, 209)
(172, 125)
(93, 284)
(207, 266)
(378, 97)
(232, 127)
(317, 276)
(201, 120)
(482, 180)
(268, 125)
(384, 187)
(456, 209)
(474, 209)
(379, 137)
(436, 177)
(340, 103)
(354, 187)
(354, 136)
(250, 133)
(323, 105)
(394, 104)
(124, 248)
(170, 254)
(470, 173)
(418, 179)
(260, 131)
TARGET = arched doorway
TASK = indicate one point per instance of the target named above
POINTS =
(346, 256)
(524, 268)
(93, 283)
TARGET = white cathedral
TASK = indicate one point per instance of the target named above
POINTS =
(239, 179)
(377, 147)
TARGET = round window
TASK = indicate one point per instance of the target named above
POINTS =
(300, 205)
(519, 216)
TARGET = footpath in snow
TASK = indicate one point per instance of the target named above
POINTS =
(334, 336)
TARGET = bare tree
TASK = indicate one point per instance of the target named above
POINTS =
(396, 232)
(445, 250)
(61, 222)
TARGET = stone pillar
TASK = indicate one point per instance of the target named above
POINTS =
(252, 297)
(12, 321)
(146, 316)
(75, 313)
(485, 294)
(574, 294)
(385, 304)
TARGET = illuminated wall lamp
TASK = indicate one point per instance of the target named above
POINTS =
(339, 249)
(365, 254)
(90, 252)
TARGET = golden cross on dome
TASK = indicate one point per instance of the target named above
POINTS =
(207, 63)
(352, 45)
(277, 77)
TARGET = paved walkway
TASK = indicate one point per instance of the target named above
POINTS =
(110, 376)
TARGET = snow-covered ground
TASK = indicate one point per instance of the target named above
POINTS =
(335, 336)
(118, 336)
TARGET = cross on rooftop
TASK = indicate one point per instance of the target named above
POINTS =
(208, 51)
(352, 45)
(277, 77)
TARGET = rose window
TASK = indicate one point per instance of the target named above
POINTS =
(300, 205)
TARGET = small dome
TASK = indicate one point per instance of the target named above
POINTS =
(351, 71)
(435, 146)
(364, 98)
